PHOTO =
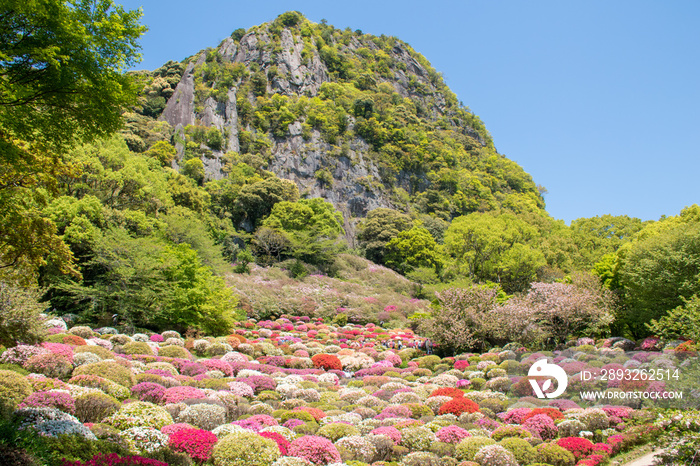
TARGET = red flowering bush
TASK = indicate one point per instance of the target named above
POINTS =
(113, 459)
(318, 450)
(579, 446)
(282, 443)
(461, 364)
(448, 391)
(458, 406)
(318, 414)
(327, 362)
(196, 443)
(553, 413)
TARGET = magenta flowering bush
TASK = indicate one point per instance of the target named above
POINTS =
(170, 429)
(318, 450)
(156, 338)
(515, 416)
(542, 426)
(260, 383)
(148, 391)
(196, 443)
(54, 399)
(392, 432)
(282, 443)
(178, 394)
(452, 434)
(60, 349)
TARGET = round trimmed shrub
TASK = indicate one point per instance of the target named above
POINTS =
(420, 458)
(137, 347)
(94, 407)
(196, 443)
(327, 362)
(555, 455)
(174, 351)
(509, 431)
(245, 449)
(317, 450)
(140, 414)
(522, 450)
(103, 353)
(108, 370)
(467, 448)
(495, 455)
(13, 389)
(458, 406)
(337, 430)
(356, 448)
(204, 415)
(417, 438)
(50, 364)
(59, 400)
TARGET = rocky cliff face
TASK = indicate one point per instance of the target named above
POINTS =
(362, 121)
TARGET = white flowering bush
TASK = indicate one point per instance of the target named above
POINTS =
(495, 455)
(226, 429)
(417, 438)
(139, 414)
(245, 449)
(420, 458)
(203, 415)
(64, 427)
(357, 448)
(80, 359)
(144, 440)
(292, 461)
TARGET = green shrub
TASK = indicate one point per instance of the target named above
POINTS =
(137, 347)
(78, 448)
(108, 370)
(523, 451)
(245, 449)
(20, 315)
(94, 407)
(13, 389)
(336, 431)
(140, 414)
(555, 455)
(103, 353)
(468, 447)
(173, 351)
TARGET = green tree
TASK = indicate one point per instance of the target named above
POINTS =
(194, 169)
(411, 249)
(494, 248)
(658, 270)
(313, 228)
(62, 66)
(255, 201)
(163, 152)
(378, 228)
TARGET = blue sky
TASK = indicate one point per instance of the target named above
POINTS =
(599, 101)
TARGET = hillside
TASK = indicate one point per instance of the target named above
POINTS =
(360, 120)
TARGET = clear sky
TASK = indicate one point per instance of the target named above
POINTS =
(598, 100)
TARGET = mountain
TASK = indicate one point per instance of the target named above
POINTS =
(360, 120)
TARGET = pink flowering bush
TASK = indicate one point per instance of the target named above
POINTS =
(59, 400)
(318, 450)
(392, 432)
(541, 426)
(50, 365)
(59, 349)
(196, 443)
(148, 391)
(452, 434)
(21, 354)
(177, 394)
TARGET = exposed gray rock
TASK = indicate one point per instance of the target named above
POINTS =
(180, 107)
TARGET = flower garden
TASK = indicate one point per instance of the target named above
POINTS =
(296, 391)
